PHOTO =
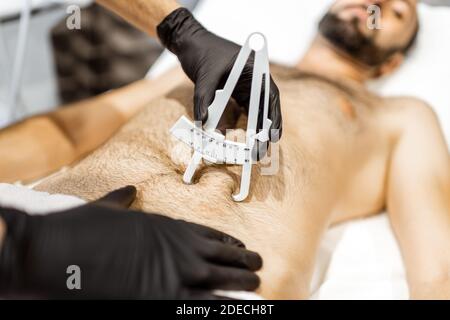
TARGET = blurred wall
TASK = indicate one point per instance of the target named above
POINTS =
(38, 92)
(437, 2)
(40, 89)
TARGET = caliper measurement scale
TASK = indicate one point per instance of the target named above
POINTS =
(211, 145)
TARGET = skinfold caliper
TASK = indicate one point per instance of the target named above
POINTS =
(210, 144)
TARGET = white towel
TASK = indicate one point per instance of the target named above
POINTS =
(33, 202)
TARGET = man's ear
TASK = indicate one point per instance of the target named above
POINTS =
(390, 65)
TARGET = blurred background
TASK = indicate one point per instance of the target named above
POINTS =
(51, 65)
(60, 65)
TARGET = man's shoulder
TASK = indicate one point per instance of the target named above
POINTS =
(408, 106)
(406, 101)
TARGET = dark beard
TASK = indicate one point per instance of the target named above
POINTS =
(346, 36)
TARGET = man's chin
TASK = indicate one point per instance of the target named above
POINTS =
(343, 34)
(346, 42)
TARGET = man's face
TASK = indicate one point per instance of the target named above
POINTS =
(350, 26)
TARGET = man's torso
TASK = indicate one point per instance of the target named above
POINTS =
(333, 159)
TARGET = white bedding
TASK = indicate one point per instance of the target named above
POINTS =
(359, 259)
(33, 202)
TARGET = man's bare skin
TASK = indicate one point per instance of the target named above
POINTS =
(332, 169)
(345, 153)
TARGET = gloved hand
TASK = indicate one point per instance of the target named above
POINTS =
(207, 60)
(121, 254)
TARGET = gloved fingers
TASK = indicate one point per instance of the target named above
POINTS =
(214, 234)
(259, 150)
(241, 93)
(121, 198)
(275, 112)
(204, 94)
(231, 256)
(229, 278)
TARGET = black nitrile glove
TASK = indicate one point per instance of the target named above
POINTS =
(207, 60)
(120, 253)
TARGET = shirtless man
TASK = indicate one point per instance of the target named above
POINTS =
(345, 153)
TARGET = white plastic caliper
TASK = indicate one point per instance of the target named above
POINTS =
(210, 144)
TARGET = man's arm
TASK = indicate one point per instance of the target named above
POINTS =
(418, 199)
(43, 144)
(144, 14)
